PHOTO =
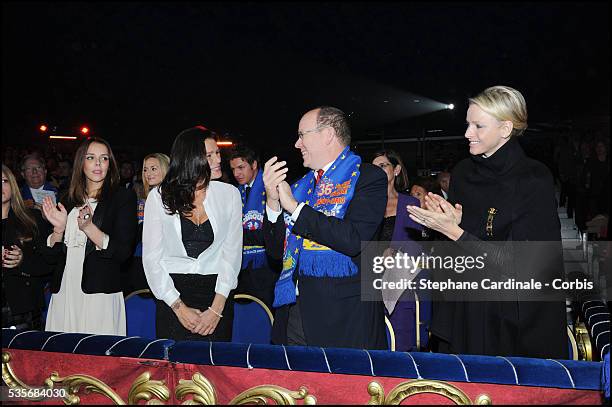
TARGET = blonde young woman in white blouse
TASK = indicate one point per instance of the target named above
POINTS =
(192, 245)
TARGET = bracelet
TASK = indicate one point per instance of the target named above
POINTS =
(176, 304)
(215, 312)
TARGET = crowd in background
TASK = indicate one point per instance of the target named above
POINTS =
(580, 166)
(579, 162)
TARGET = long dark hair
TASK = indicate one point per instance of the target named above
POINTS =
(401, 180)
(77, 192)
(188, 170)
(25, 225)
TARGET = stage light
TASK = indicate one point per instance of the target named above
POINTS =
(84, 130)
(63, 137)
(43, 128)
(225, 143)
(450, 107)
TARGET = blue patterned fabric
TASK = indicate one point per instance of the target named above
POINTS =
(253, 210)
(331, 196)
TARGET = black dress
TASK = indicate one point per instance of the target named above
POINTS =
(522, 191)
(197, 291)
(386, 231)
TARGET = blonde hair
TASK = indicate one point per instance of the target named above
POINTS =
(26, 225)
(505, 104)
(164, 163)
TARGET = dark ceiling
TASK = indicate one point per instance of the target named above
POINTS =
(138, 73)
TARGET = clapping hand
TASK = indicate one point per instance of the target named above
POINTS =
(436, 203)
(274, 173)
(55, 214)
(438, 215)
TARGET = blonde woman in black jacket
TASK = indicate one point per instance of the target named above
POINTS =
(23, 262)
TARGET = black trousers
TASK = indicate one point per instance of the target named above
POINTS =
(295, 330)
(197, 291)
(258, 283)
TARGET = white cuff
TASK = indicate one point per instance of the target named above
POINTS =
(272, 214)
(297, 211)
(171, 296)
(222, 288)
(104, 243)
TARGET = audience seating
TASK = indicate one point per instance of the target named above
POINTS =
(140, 314)
(594, 329)
(252, 320)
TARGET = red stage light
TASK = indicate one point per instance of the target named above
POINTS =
(84, 130)
(43, 128)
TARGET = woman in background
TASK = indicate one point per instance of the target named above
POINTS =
(23, 260)
(93, 234)
(154, 169)
(213, 156)
(400, 231)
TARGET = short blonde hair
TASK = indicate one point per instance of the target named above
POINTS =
(164, 163)
(505, 104)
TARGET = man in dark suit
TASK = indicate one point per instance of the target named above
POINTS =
(332, 210)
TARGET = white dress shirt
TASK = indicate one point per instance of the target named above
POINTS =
(163, 251)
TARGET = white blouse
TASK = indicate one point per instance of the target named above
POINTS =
(163, 251)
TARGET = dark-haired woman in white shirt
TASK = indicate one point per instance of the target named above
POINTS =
(192, 245)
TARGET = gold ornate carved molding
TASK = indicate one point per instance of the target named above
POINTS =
(280, 395)
(203, 392)
(405, 390)
(483, 400)
(11, 380)
(143, 387)
(73, 385)
(200, 388)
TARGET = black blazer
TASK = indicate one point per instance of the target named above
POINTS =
(115, 216)
(332, 312)
(24, 284)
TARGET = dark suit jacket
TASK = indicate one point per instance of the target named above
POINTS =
(258, 282)
(332, 312)
(115, 216)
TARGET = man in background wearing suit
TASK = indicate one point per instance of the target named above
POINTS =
(328, 213)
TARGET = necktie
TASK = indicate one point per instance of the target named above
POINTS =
(246, 192)
(318, 176)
